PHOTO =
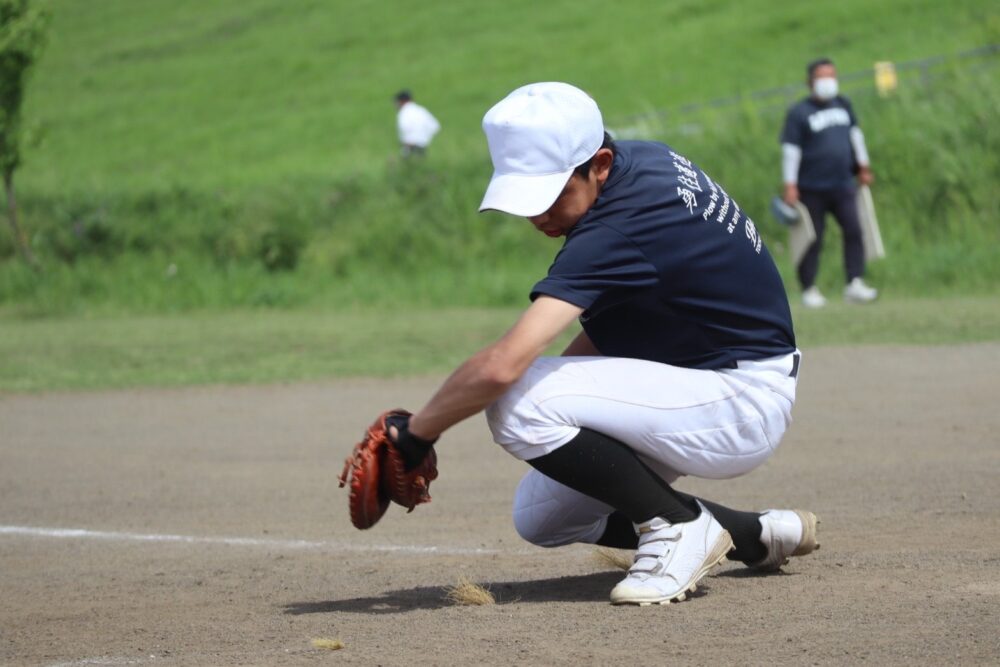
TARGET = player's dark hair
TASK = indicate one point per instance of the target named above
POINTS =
(584, 169)
(811, 67)
(403, 96)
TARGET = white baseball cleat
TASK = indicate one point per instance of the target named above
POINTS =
(786, 533)
(857, 291)
(813, 298)
(672, 559)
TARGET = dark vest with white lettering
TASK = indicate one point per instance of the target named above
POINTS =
(823, 131)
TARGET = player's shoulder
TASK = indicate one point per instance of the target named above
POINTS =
(844, 101)
(801, 107)
(634, 161)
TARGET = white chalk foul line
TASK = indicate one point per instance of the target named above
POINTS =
(322, 545)
(102, 660)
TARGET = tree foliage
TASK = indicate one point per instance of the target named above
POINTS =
(23, 26)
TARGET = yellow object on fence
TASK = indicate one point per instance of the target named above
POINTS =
(886, 80)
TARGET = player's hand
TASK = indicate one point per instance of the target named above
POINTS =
(865, 176)
(412, 448)
(378, 472)
(791, 194)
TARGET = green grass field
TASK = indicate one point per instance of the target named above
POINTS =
(215, 194)
(281, 346)
(163, 94)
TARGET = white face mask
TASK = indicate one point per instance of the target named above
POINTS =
(825, 88)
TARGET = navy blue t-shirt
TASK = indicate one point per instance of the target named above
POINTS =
(823, 131)
(668, 268)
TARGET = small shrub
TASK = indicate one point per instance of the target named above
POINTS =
(279, 248)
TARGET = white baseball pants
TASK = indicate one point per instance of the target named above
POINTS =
(680, 421)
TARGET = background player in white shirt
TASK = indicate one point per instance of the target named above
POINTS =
(417, 126)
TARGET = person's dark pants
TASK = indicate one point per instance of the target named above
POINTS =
(843, 205)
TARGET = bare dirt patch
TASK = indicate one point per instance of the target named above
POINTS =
(217, 535)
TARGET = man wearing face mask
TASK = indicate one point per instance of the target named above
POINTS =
(822, 149)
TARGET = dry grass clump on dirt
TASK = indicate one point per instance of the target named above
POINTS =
(467, 593)
(329, 644)
(614, 558)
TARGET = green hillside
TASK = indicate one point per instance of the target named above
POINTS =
(159, 93)
(211, 155)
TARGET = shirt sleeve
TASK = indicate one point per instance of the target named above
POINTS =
(791, 133)
(850, 112)
(859, 146)
(791, 158)
(597, 263)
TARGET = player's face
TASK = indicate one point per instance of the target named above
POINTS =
(823, 72)
(576, 199)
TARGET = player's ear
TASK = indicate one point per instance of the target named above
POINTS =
(600, 165)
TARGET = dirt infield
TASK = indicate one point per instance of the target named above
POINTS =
(204, 527)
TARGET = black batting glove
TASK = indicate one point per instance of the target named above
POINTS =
(411, 448)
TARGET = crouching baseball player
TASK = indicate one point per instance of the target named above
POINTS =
(686, 363)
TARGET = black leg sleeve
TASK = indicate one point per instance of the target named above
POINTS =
(619, 534)
(744, 527)
(605, 469)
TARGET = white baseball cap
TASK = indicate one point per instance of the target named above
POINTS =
(537, 135)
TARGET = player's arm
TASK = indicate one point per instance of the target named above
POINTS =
(484, 377)
(581, 346)
(791, 156)
(861, 155)
(858, 147)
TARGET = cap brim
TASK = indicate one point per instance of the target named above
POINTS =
(521, 195)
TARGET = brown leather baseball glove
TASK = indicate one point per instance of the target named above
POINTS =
(380, 472)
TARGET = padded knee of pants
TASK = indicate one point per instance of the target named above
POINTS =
(547, 514)
(532, 530)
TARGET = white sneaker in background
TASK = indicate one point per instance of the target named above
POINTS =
(813, 298)
(671, 559)
(786, 533)
(858, 292)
